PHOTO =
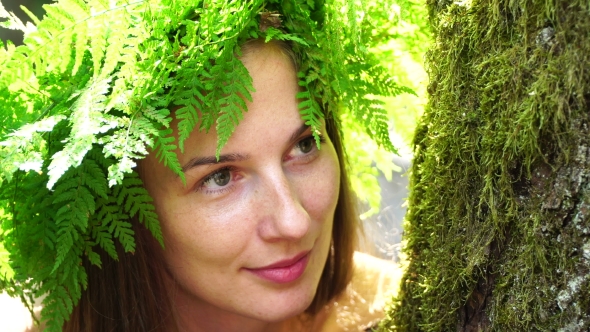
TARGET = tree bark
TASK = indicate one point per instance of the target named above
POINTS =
(497, 236)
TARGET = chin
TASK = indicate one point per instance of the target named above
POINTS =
(290, 311)
(289, 305)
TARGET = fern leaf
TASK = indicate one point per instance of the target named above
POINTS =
(160, 116)
(79, 40)
(231, 114)
(30, 14)
(122, 230)
(87, 121)
(310, 113)
(276, 34)
(93, 257)
(135, 200)
(22, 149)
(380, 128)
(49, 238)
(97, 30)
(192, 101)
(94, 178)
(75, 205)
(232, 104)
(188, 119)
(65, 241)
(105, 240)
(166, 152)
(126, 144)
(56, 308)
(106, 212)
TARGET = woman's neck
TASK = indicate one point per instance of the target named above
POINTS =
(199, 320)
(192, 314)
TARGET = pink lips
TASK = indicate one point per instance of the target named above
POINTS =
(284, 271)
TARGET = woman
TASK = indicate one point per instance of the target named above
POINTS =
(255, 239)
(258, 233)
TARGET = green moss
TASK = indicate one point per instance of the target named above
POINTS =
(499, 207)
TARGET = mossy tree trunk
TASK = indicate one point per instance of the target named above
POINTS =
(498, 230)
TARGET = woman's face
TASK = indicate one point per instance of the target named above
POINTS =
(249, 236)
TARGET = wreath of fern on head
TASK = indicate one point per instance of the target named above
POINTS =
(91, 90)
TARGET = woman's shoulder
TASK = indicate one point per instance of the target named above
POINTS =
(362, 304)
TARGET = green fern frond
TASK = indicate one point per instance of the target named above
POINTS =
(76, 205)
(57, 306)
(160, 116)
(148, 216)
(122, 230)
(134, 200)
(276, 34)
(100, 233)
(191, 101)
(187, 121)
(49, 237)
(310, 113)
(87, 121)
(97, 31)
(60, 300)
(166, 152)
(66, 236)
(104, 239)
(126, 144)
(55, 29)
(79, 40)
(94, 178)
(235, 91)
(93, 257)
(22, 150)
(380, 129)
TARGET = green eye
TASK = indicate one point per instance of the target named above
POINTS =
(306, 145)
(220, 178)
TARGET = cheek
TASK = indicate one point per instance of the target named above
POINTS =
(209, 236)
(319, 192)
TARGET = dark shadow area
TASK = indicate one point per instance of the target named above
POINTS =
(35, 6)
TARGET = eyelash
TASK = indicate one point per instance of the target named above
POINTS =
(321, 137)
(231, 169)
(307, 156)
(208, 177)
(315, 147)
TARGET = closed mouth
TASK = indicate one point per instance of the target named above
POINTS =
(284, 271)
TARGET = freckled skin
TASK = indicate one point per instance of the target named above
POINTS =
(279, 202)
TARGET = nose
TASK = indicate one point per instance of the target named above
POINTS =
(283, 216)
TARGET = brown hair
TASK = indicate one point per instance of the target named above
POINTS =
(131, 295)
(125, 295)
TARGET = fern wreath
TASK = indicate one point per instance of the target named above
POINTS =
(91, 90)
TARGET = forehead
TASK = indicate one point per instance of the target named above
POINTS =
(253, 47)
(273, 108)
(272, 113)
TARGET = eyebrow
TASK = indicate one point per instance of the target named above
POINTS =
(298, 132)
(233, 157)
(211, 160)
